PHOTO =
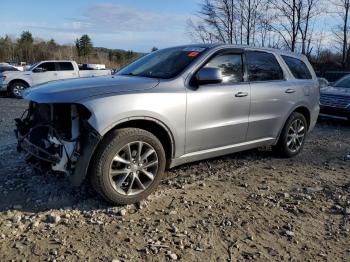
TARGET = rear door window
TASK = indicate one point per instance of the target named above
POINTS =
(231, 67)
(297, 67)
(65, 66)
(263, 66)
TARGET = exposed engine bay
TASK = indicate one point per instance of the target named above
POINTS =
(54, 137)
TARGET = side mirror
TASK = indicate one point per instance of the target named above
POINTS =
(39, 70)
(209, 75)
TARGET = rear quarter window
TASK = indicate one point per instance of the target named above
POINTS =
(297, 67)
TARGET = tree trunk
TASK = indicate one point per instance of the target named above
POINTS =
(345, 34)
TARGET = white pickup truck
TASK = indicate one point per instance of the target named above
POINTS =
(14, 82)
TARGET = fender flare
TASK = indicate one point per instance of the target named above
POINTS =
(17, 80)
(146, 118)
(286, 119)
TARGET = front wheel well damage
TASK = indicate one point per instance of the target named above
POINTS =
(156, 128)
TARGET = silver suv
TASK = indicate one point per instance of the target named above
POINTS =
(171, 107)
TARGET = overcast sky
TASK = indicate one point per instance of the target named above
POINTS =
(127, 24)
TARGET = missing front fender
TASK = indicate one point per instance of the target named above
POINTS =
(89, 142)
(56, 138)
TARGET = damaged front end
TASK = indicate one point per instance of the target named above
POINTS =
(57, 138)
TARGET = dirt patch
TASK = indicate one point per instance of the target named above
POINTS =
(246, 206)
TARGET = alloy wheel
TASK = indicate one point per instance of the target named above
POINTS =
(133, 168)
(296, 135)
(17, 90)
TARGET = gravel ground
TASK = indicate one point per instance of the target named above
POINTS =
(246, 206)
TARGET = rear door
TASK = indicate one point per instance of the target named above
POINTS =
(217, 114)
(44, 72)
(272, 97)
(66, 71)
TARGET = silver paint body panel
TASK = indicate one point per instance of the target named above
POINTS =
(206, 122)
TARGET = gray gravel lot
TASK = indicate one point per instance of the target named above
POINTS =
(9, 109)
(246, 206)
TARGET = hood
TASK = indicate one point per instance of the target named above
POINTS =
(337, 91)
(14, 73)
(70, 91)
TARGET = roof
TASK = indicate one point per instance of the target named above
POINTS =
(245, 47)
(56, 61)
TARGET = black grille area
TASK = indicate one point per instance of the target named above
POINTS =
(335, 101)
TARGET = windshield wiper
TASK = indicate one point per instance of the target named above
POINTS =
(128, 74)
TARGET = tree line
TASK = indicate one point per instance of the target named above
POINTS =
(284, 24)
(29, 49)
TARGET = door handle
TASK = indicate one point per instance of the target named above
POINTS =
(241, 94)
(290, 91)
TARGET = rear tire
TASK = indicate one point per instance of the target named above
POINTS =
(16, 88)
(128, 166)
(292, 138)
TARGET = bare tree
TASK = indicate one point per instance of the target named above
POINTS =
(250, 17)
(198, 32)
(264, 28)
(309, 9)
(342, 9)
(228, 21)
(289, 19)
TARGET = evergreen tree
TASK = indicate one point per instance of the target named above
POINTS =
(85, 46)
(25, 46)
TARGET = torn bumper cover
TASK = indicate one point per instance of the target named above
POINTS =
(56, 138)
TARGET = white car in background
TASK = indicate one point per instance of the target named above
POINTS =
(15, 82)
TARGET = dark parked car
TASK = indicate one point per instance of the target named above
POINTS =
(4, 68)
(323, 82)
(335, 99)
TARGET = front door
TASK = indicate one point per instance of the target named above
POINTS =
(217, 114)
(43, 73)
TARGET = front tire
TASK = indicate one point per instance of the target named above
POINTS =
(128, 166)
(15, 90)
(293, 135)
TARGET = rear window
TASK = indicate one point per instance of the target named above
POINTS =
(263, 66)
(66, 66)
(297, 67)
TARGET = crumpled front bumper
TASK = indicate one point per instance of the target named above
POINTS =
(88, 142)
(36, 151)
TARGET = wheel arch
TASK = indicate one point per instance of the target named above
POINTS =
(17, 80)
(305, 112)
(154, 126)
(299, 109)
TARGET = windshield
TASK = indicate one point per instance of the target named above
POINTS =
(166, 63)
(343, 82)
